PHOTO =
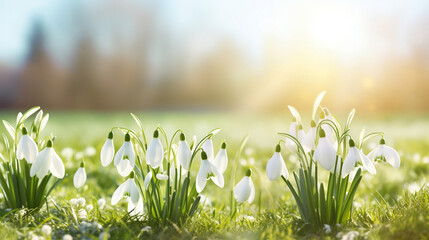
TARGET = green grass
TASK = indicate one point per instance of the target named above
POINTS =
(389, 205)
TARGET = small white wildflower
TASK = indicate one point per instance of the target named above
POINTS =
(89, 207)
(90, 151)
(67, 237)
(67, 153)
(101, 203)
(46, 230)
(22, 212)
(81, 202)
(73, 202)
(82, 214)
(248, 218)
(146, 229)
(327, 228)
(79, 155)
(350, 235)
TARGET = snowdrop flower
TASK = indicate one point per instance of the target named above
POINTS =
(128, 187)
(125, 157)
(309, 140)
(162, 176)
(390, 155)
(276, 166)
(46, 230)
(82, 214)
(325, 153)
(184, 153)
(221, 159)
(101, 203)
(80, 176)
(135, 209)
(355, 156)
(329, 132)
(208, 171)
(47, 160)
(108, 151)
(26, 148)
(155, 152)
(245, 190)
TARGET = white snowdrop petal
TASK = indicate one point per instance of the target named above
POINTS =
(252, 191)
(27, 149)
(274, 166)
(41, 165)
(155, 153)
(162, 177)
(367, 164)
(57, 166)
(133, 190)
(350, 161)
(201, 177)
(221, 160)
(184, 154)
(79, 177)
(107, 152)
(119, 155)
(119, 193)
(308, 142)
(325, 154)
(218, 178)
(242, 190)
(124, 167)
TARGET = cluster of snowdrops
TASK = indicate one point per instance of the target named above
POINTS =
(161, 186)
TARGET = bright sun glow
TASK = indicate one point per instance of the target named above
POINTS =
(339, 29)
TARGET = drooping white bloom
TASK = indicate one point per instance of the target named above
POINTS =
(135, 209)
(329, 132)
(129, 187)
(208, 148)
(125, 157)
(26, 148)
(184, 153)
(80, 176)
(162, 176)
(221, 159)
(309, 140)
(47, 160)
(245, 190)
(208, 171)
(108, 151)
(390, 154)
(155, 152)
(276, 166)
(325, 153)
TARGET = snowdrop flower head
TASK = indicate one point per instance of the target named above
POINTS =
(245, 190)
(352, 158)
(221, 159)
(26, 148)
(80, 176)
(125, 157)
(108, 151)
(325, 153)
(129, 187)
(276, 166)
(135, 209)
(184, 153)
(155, 152)
(47, 160)
(208, 171)
(46, 230)
(389, 154)
(329, 132)
(292, 131)
(309, 140)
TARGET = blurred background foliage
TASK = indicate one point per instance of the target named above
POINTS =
(228, 55)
